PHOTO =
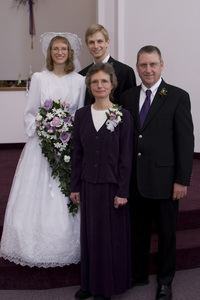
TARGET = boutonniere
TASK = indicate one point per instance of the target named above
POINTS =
(114, 117)
(163, 92)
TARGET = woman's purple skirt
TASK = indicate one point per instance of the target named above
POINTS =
(105, 241)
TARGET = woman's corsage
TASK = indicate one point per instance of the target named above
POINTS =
(163, 92)
(54, 126)
(114, 117)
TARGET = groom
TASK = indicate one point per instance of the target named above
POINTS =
(162, 164)
(97, 41)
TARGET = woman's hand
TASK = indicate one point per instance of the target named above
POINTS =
(119, 201)
(75, 197)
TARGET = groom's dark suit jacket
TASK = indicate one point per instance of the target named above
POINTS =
(125, 77)
(163, 147)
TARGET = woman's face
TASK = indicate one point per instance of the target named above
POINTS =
(100, 85)
(59, 52)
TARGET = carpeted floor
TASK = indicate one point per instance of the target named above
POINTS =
(186, 286)
(22, 278)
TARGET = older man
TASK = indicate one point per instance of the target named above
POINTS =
(162, 164)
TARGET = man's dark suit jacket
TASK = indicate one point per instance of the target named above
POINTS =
(125, 77)
(163, 147)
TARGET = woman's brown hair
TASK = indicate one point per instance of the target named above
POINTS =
(69, 64)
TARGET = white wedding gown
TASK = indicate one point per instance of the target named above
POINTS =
(38, 228)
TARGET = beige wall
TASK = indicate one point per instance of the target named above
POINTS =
(171, 25)
(16, 54)
(50, 15)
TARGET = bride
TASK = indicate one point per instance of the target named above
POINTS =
(38, 228)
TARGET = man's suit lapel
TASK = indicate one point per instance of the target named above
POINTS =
(89, 67)
(111, 61)
(158, 101)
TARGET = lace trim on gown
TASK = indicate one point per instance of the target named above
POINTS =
(46, 254)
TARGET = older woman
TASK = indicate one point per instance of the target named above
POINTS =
(101, 168)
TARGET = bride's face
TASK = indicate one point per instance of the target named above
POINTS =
(59, 52)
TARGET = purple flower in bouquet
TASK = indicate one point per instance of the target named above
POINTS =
(67, 119)
(65, 137)
(56, 122)
(49, 128)
(48, 104)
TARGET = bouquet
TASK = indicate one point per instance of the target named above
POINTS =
(54, 126)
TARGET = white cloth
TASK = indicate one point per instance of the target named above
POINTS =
(38, 228)
(99, 117)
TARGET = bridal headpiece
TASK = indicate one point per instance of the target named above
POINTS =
(73, 39)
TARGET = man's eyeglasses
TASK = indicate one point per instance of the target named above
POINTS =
(153, 65)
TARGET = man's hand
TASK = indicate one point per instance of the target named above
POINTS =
(180, 191)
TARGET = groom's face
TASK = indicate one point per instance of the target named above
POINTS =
(97, 46)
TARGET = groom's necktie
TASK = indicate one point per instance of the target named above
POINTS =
(145, 107)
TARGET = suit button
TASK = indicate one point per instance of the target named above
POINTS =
(139, 154)
(140, 136)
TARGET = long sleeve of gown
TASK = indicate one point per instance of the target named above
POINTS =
(33, 103)
(82, 93)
